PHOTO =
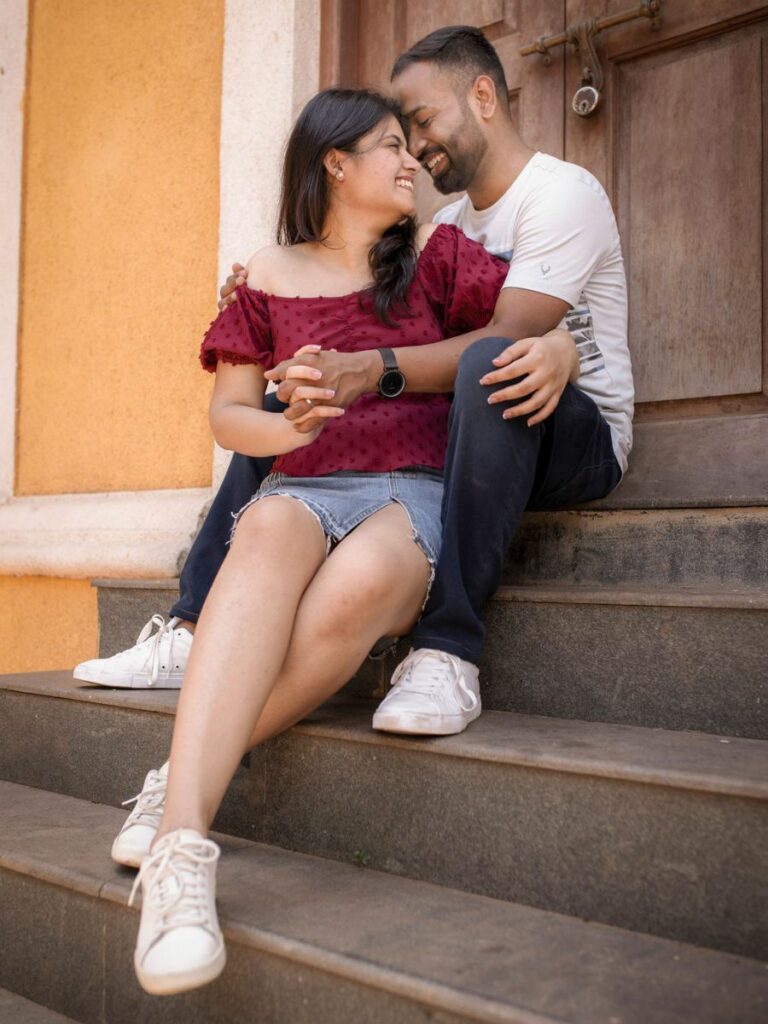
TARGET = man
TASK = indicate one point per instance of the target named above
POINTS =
(539, 422)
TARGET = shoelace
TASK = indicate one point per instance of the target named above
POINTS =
(149, 802)
(164, 629)
(419, 674)
(176, 892)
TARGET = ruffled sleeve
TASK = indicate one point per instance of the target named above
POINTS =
(241, 333)
(461, 279)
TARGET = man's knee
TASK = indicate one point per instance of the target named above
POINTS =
(476, 361)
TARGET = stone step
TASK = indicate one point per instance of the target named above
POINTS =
(16, 1009)
(655, 831)
(655, 657)
(708, 549)
(660, 658)
(311, 941)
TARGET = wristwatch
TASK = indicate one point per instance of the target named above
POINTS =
(392, 381)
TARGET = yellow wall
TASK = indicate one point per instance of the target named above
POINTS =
(119, 244)
(46, 623)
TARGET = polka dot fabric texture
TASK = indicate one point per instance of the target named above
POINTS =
(454, 291)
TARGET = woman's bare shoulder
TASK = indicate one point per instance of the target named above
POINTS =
(267, 267)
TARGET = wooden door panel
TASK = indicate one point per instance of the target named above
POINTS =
(678, 143)
(424, 16)
(689, 195)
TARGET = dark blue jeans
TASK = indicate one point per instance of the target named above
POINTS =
(494, 470)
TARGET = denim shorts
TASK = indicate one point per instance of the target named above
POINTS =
(341, 501)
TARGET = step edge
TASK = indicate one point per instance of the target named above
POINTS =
(671, 778)
(610, 594)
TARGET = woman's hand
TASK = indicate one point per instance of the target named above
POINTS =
(308, 426)
(540, 368)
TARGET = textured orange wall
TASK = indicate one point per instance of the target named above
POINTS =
(120, 236)
(46, 623)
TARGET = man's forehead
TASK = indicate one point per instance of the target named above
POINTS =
(420, 85)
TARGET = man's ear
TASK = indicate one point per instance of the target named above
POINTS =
(332, 162)
(483, 92)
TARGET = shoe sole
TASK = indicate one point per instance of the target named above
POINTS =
(127, 858)
(424, 725)
(183, 981)
(133, 682)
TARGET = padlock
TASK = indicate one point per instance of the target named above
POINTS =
(585, 100)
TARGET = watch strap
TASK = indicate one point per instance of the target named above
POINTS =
(389, 358)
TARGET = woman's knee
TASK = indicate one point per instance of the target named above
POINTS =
(270, 517)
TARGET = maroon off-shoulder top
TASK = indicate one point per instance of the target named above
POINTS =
(453, 291)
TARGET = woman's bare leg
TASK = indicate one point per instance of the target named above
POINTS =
(373, 585)
(240, 646)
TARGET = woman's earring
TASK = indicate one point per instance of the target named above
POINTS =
(340, 174)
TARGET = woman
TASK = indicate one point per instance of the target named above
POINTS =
(336, 549)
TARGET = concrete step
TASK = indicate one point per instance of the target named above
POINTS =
(708, 549)
(311, 941)
(658, 657)
(655, 831)
(16, 1009)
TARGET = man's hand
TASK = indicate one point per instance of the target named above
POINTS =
(227, 290)
(315, 377)
(545, 365)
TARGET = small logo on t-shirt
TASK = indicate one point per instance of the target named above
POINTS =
(545, 268)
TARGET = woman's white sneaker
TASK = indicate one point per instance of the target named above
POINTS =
(156, 661)
(135, 838)
(433, 694)
(180, 945)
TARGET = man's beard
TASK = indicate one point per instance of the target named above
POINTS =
(464, 158)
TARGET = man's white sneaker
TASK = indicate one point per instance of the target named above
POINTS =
(133, 841)
(156, 660)
(180, 945)
(433, 694)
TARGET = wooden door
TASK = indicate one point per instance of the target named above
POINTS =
(679, 146)
(680, 143)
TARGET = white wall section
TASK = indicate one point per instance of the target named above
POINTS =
(13, 50)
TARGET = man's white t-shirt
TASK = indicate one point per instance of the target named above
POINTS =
(555, 227)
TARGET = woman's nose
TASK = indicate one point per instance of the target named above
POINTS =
(410, 163)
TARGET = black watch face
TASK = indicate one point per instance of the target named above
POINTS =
(391, 384)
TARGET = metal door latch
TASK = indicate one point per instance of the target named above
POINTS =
(586, 99)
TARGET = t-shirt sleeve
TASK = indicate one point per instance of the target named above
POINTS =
(241, 333)
(562, 233)
(462, 280)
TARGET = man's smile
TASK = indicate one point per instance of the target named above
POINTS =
(435, 162)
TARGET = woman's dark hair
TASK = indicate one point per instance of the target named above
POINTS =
(338, 119)
(463, 51)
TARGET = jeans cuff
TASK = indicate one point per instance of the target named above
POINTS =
(439, 643)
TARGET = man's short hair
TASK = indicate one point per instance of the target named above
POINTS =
(460, 49)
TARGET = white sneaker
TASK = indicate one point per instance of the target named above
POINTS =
(433, 694)
(157, 661)
(180, 945)
(133, 841)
